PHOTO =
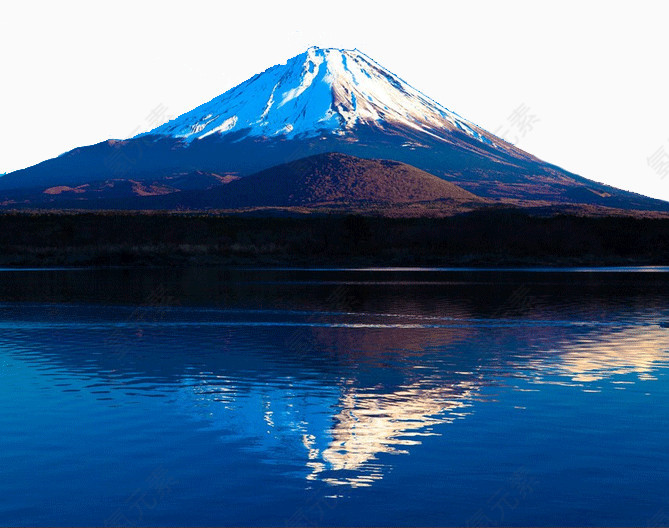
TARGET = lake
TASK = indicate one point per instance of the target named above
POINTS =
(288, 397)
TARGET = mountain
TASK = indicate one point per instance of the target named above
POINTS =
(323, 100)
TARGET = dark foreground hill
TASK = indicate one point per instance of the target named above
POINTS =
(339, 179)
(325, 180)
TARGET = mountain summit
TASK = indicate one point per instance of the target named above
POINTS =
(330, 91)
(321, 101)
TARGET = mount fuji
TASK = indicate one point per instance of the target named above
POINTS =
(322, 91)
(321, 101)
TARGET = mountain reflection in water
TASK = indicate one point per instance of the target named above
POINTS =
(331, 382)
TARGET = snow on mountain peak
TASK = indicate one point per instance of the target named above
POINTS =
(321, 91)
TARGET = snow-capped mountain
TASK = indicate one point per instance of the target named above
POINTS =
(321, 101)
(321, 91)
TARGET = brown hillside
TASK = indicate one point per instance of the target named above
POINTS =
(339, 179)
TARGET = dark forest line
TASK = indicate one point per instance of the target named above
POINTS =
(504, 237)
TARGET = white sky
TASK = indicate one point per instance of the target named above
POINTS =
(593, 75)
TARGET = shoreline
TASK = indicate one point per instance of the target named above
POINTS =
(67, 261)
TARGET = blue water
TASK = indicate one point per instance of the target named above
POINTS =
(336, 397)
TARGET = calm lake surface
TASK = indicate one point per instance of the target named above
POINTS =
(334, 397)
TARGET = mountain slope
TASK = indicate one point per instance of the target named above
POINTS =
(323, 91)
(323, 100)
(341, 180)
